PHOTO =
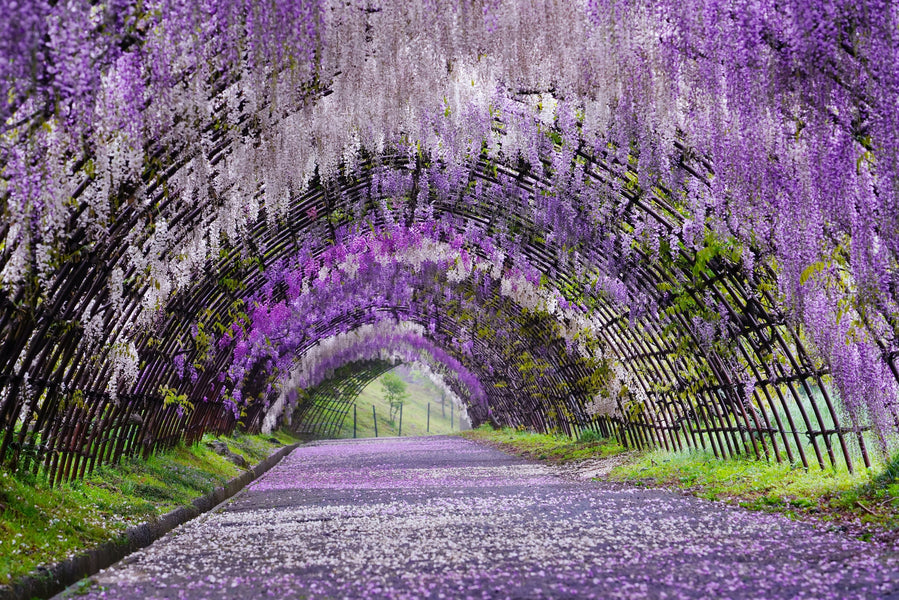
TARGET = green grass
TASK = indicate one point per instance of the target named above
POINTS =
(542, 446)
(415, 413)
(753, 483)
(866, 502)
(43, 525)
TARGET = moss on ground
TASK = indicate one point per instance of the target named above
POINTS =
(42, 525)
(864, 504)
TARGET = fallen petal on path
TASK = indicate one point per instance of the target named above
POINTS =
(444, 517)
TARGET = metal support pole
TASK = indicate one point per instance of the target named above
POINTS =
(429, 418)
(451, 416)
(354, 421)
(401, 421)
(375, 417)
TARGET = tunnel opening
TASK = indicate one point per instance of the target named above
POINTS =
(357, 402)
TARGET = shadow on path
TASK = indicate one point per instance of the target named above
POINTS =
(447, 518)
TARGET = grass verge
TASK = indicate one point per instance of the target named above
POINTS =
(40, 525)
(541, 446)
(864, 504)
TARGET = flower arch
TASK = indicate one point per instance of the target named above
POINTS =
(687, 211)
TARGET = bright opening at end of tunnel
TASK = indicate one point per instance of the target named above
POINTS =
(377, 398)
(427, 408)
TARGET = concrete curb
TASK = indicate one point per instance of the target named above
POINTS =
(45, 582)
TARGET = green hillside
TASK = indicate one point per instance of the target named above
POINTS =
(421, 392)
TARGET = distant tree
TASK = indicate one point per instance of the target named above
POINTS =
(394, 392)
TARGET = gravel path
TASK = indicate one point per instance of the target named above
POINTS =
(448, 518)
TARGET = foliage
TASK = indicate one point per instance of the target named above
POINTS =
(394, 392)
(171, 397)
(590, 437)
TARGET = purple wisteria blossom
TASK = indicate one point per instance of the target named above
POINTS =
(673, 221)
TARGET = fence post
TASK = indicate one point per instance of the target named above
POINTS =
(401, 421)
(451, 415)
(354, 421)
(375, 417)
(429, 418)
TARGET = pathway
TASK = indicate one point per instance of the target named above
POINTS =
(447, 518)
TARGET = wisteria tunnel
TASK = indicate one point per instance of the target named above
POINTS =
(673, 223)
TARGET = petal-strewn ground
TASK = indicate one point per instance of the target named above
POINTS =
(448, 518)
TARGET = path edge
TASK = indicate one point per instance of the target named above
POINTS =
(46, 581)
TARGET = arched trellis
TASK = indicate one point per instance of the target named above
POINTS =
(730, 427)
(700, 340)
